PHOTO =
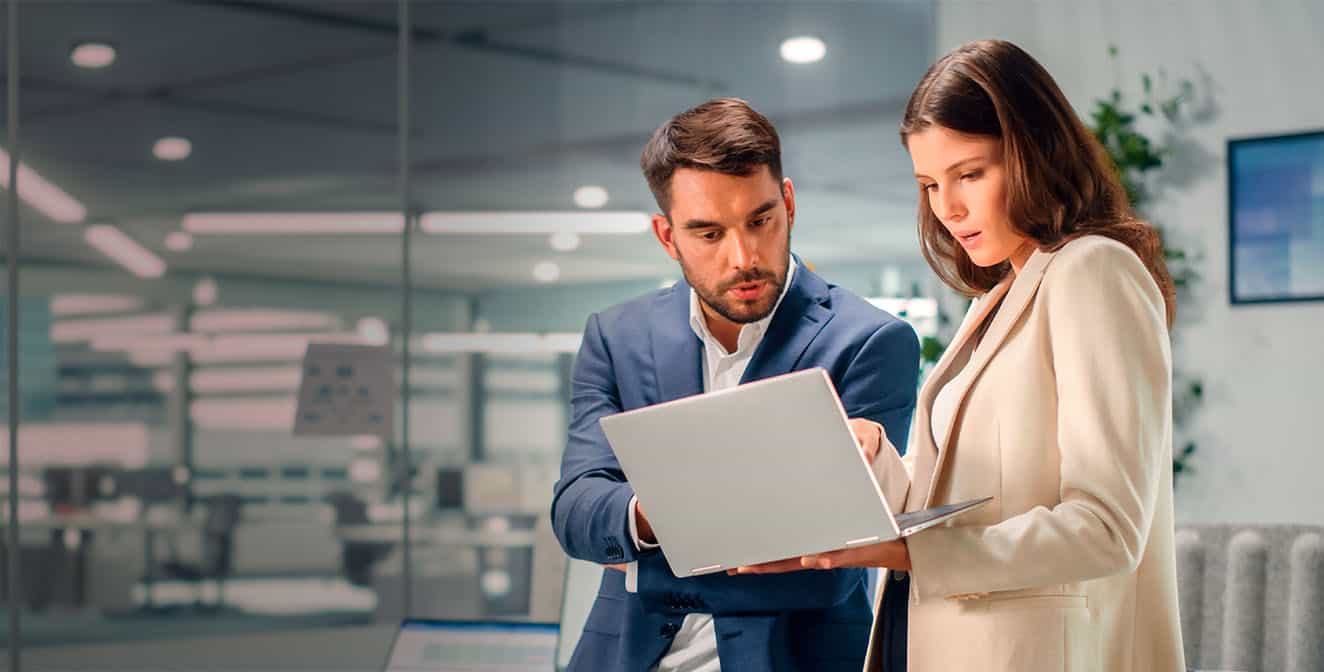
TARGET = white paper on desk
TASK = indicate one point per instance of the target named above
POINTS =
(345, 390)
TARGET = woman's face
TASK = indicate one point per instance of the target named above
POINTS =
(963, 178)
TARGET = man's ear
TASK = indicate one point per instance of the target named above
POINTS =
(788, 198)
(664, 231)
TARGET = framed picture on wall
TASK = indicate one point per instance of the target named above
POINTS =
(1276, 218)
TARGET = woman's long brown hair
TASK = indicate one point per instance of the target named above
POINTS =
(1061, 185)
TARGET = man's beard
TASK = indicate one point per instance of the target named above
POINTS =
(716, 298)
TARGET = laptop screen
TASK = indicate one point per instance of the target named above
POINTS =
(452, 646)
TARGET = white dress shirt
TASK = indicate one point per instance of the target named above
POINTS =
(694, 648)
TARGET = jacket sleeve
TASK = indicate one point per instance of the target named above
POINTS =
(590, 503)
(880, 385)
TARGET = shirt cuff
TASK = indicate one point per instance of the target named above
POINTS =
(639, 544)
(632, 577)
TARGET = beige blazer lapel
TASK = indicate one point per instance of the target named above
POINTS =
(923, 446)
(1019, 294)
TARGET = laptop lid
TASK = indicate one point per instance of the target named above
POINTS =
(473, 646)
(760, 472)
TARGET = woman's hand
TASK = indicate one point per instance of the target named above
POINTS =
(868, 436)
(889, 554)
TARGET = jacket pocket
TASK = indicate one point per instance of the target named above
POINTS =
(1029, 602)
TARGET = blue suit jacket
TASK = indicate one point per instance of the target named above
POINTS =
(644, 352)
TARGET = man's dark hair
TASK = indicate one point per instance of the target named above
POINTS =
(724, 135)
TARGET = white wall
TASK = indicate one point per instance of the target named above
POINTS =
(1261, 454)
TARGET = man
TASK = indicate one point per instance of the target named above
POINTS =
(746, 310)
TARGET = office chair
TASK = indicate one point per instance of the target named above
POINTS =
(216, 560)
(357, 558)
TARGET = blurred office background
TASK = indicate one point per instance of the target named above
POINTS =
(207, 186)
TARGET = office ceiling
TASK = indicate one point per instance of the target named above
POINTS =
(292, 105)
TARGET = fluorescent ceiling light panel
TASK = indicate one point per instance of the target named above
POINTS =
(534, 223)
(151, 359)
(293, 223)
(179, 241)
(244, 414)
(79, 443)
(167, 342)
(227, 348)
(247, 379)
(41, 195)
(91, 304)
(231, 320)
(264, 347)
(464, 342)
(73, 331)
(124, 251)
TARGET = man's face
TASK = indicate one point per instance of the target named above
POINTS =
(732, 237)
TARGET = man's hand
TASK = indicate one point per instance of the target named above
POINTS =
(641, 525)
(868, 436)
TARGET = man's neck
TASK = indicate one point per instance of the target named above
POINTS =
(725, 331)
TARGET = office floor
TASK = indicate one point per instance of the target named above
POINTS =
(326, 649)
(251, 606)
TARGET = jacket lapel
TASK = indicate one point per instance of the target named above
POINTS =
(798, 320)
(1017, 294)
(677, 352)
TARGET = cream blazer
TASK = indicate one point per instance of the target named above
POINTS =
(1067, 423)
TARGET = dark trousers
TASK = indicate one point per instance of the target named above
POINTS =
(895, 613)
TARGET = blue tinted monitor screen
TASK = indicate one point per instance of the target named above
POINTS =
(448, 646)
(1276, 217)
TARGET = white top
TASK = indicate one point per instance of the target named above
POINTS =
(694, 648)
(944, 406)
(945, 402)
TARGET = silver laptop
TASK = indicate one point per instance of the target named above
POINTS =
(462, 646)
(760, 472)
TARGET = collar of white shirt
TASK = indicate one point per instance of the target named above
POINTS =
(750, 334)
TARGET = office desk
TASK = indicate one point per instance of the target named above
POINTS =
(393, 533)
(87, 525)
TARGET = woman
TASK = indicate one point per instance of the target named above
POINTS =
(1054, 397)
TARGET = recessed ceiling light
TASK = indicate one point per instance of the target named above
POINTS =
(205, 292)
(92, 55)
(179, 241)
(803, 50)
(565, 241)
(546, 272)
(591, 196)
(172, 149)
